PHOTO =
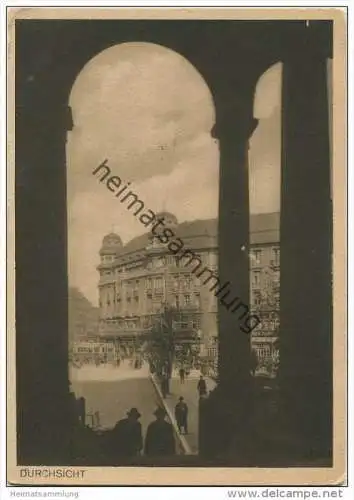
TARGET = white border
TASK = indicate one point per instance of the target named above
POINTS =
(154, 493)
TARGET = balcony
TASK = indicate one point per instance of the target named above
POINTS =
(106, 279)
(256, 264)
(190, 307)
(255, 285)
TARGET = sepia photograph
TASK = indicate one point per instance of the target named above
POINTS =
(177, 263)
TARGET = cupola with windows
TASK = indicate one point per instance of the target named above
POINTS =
(111, 246)
(168, 219)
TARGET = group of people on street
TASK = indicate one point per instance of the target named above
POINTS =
(126, 438)
(202, 388)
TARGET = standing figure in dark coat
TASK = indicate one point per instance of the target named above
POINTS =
(159, 439)
(127, 438)
(181, 374)
(202, 388)
(164, 386)
(181, 414)
(254, 362)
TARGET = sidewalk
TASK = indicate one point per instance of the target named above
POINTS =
(190, 393)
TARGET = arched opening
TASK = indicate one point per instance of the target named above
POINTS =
(44, 411)
(148, 112)
(265, 187)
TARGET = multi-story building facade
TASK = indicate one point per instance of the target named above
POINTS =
(139, 278)
(265, 287)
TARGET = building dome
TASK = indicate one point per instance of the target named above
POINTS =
(169, 219)
(111, 244)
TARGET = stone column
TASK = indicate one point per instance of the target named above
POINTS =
(305, 246)
(43, 407)
(227, 410)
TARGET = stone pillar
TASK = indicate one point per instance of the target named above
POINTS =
(43, 402)
(227, 410)
(305, 243)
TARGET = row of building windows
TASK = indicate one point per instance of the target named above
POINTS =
(92, 349)
(132, 324)
(266, 299)
(158, 282)
(263, 350)
(266, 278)
(182, 322)
(159, 262)
(182, 282)
(258, 298)
(186, 300)
(256, 255)
(153, 306)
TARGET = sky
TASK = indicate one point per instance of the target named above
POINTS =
(148, 111)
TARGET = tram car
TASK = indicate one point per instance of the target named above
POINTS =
(93, 353)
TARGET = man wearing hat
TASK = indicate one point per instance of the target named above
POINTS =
(127, 435)
(159, 439)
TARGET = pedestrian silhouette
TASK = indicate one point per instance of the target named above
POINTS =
(202, 387)
(181, 415)
(181, 375)
(254, 361)
(159, 439)
(164, 386)
(127, 439)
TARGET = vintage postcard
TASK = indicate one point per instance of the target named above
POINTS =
(177, 246)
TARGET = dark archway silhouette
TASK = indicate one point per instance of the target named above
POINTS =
(231, 56)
